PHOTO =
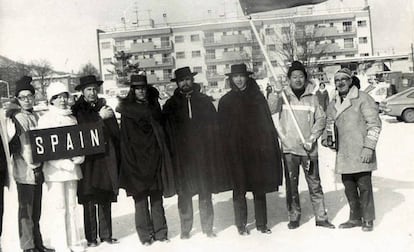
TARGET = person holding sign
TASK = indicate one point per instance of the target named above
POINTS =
(28, 175)
(146, 168)
(61, 175)
(99, 185)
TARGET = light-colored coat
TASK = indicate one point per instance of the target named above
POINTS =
(358, 124)
(62, 169)
(309, 115)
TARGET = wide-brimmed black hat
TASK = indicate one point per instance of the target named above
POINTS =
(138, 80)
(239, 69)
(181, 73)
(87, 80)
(24, 84)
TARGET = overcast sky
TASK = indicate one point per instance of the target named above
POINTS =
(64, 31)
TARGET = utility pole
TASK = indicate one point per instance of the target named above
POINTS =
(412, 55)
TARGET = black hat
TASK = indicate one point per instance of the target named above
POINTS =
(181, 73)
(297, 65)
(24, 84)
(87, 80)
(138, 80)
(239, 69)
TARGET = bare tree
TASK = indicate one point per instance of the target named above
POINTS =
(41, 68)
(88, 69)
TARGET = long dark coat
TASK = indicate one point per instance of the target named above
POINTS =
(100, 171)
(145, 159)
(194, 144)
(251, 148)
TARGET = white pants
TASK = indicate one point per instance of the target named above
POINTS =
(65, 233)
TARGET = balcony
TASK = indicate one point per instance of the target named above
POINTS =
(214, 76)
(229, 57)
(321, 33)
(154, 79)
(333, 48)
(227, 40)
(149, 47)
(167, 62)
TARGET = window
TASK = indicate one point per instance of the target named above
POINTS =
(120, 45)
(149, 39)
(348, 43)
(212, 69)
(241, 48)
(106, 45)
(332, 41)
(165, 41)
(269, 31)
(274, 63)
(364, 54)
(362, 23)
(108, 76)
(210, 54)
(134, 41)
(198, 69)
(349, 55)
(271, 48)
(363, 40)
(179, 39)
(333, 56)
(286, 46)
(347, 26)
(195, 54)
(226, 49)
(135, 57)
(331, 24)
(152, 72)
(195, 37)
(286, 30)
(107, 61)
(213, 84)
(180, 55)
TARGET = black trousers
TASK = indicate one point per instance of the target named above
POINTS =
(358, 191)
(30, 208)
(150, 222)
(292, 163)
(240, 209)
(91, 224)
(1, 208)
(185, 208)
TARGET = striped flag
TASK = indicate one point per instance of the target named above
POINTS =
(255, 6)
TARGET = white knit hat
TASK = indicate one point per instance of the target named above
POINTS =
(56, 88)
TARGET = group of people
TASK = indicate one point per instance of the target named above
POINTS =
(189, 148)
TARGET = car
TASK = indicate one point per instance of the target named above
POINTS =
(400, 105)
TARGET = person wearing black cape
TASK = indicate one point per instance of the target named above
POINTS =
(191, 125)
(251, 147)
(146, 168)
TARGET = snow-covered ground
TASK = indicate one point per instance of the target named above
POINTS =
(394, 201)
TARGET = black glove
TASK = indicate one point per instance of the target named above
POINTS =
(38, 174)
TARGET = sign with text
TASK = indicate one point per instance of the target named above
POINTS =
(66, 142)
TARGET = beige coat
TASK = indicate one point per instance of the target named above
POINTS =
(358, 124)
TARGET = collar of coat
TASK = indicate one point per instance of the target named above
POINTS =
(341, 107)
(82, 104)
(308, 91)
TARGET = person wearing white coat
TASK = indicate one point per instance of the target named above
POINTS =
(61, 175)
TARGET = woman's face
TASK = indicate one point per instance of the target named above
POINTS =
(26, 99)
(240, 80)
(141, 93)
(60, 100)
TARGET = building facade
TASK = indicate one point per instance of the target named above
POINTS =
(211, 46)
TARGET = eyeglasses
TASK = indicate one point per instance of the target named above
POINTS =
(26, 98)
(64, 97)
(342, 79)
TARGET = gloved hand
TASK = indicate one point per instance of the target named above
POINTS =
(38, 175)
(66, 164)
(106, 112)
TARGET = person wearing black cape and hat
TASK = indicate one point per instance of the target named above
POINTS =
(146, 168)
(99, 185)
(251, 148)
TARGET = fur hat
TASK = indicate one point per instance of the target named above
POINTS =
(56, 88)
(297, 65)
(24, 84)
(344, 71)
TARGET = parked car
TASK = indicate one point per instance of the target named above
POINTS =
(400, 105)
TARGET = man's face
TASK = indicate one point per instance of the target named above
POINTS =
(90, 92)
(186, 84)
(141, 93)
(240, 80)
(342, 83)
(297, 79)
(26, 99)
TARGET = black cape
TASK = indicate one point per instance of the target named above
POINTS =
(145, 159)
(251, 148)
(194, 143)
(100, 171)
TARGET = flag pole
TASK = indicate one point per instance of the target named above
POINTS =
(269, 64)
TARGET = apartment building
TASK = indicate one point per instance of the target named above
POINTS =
(209, 47)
